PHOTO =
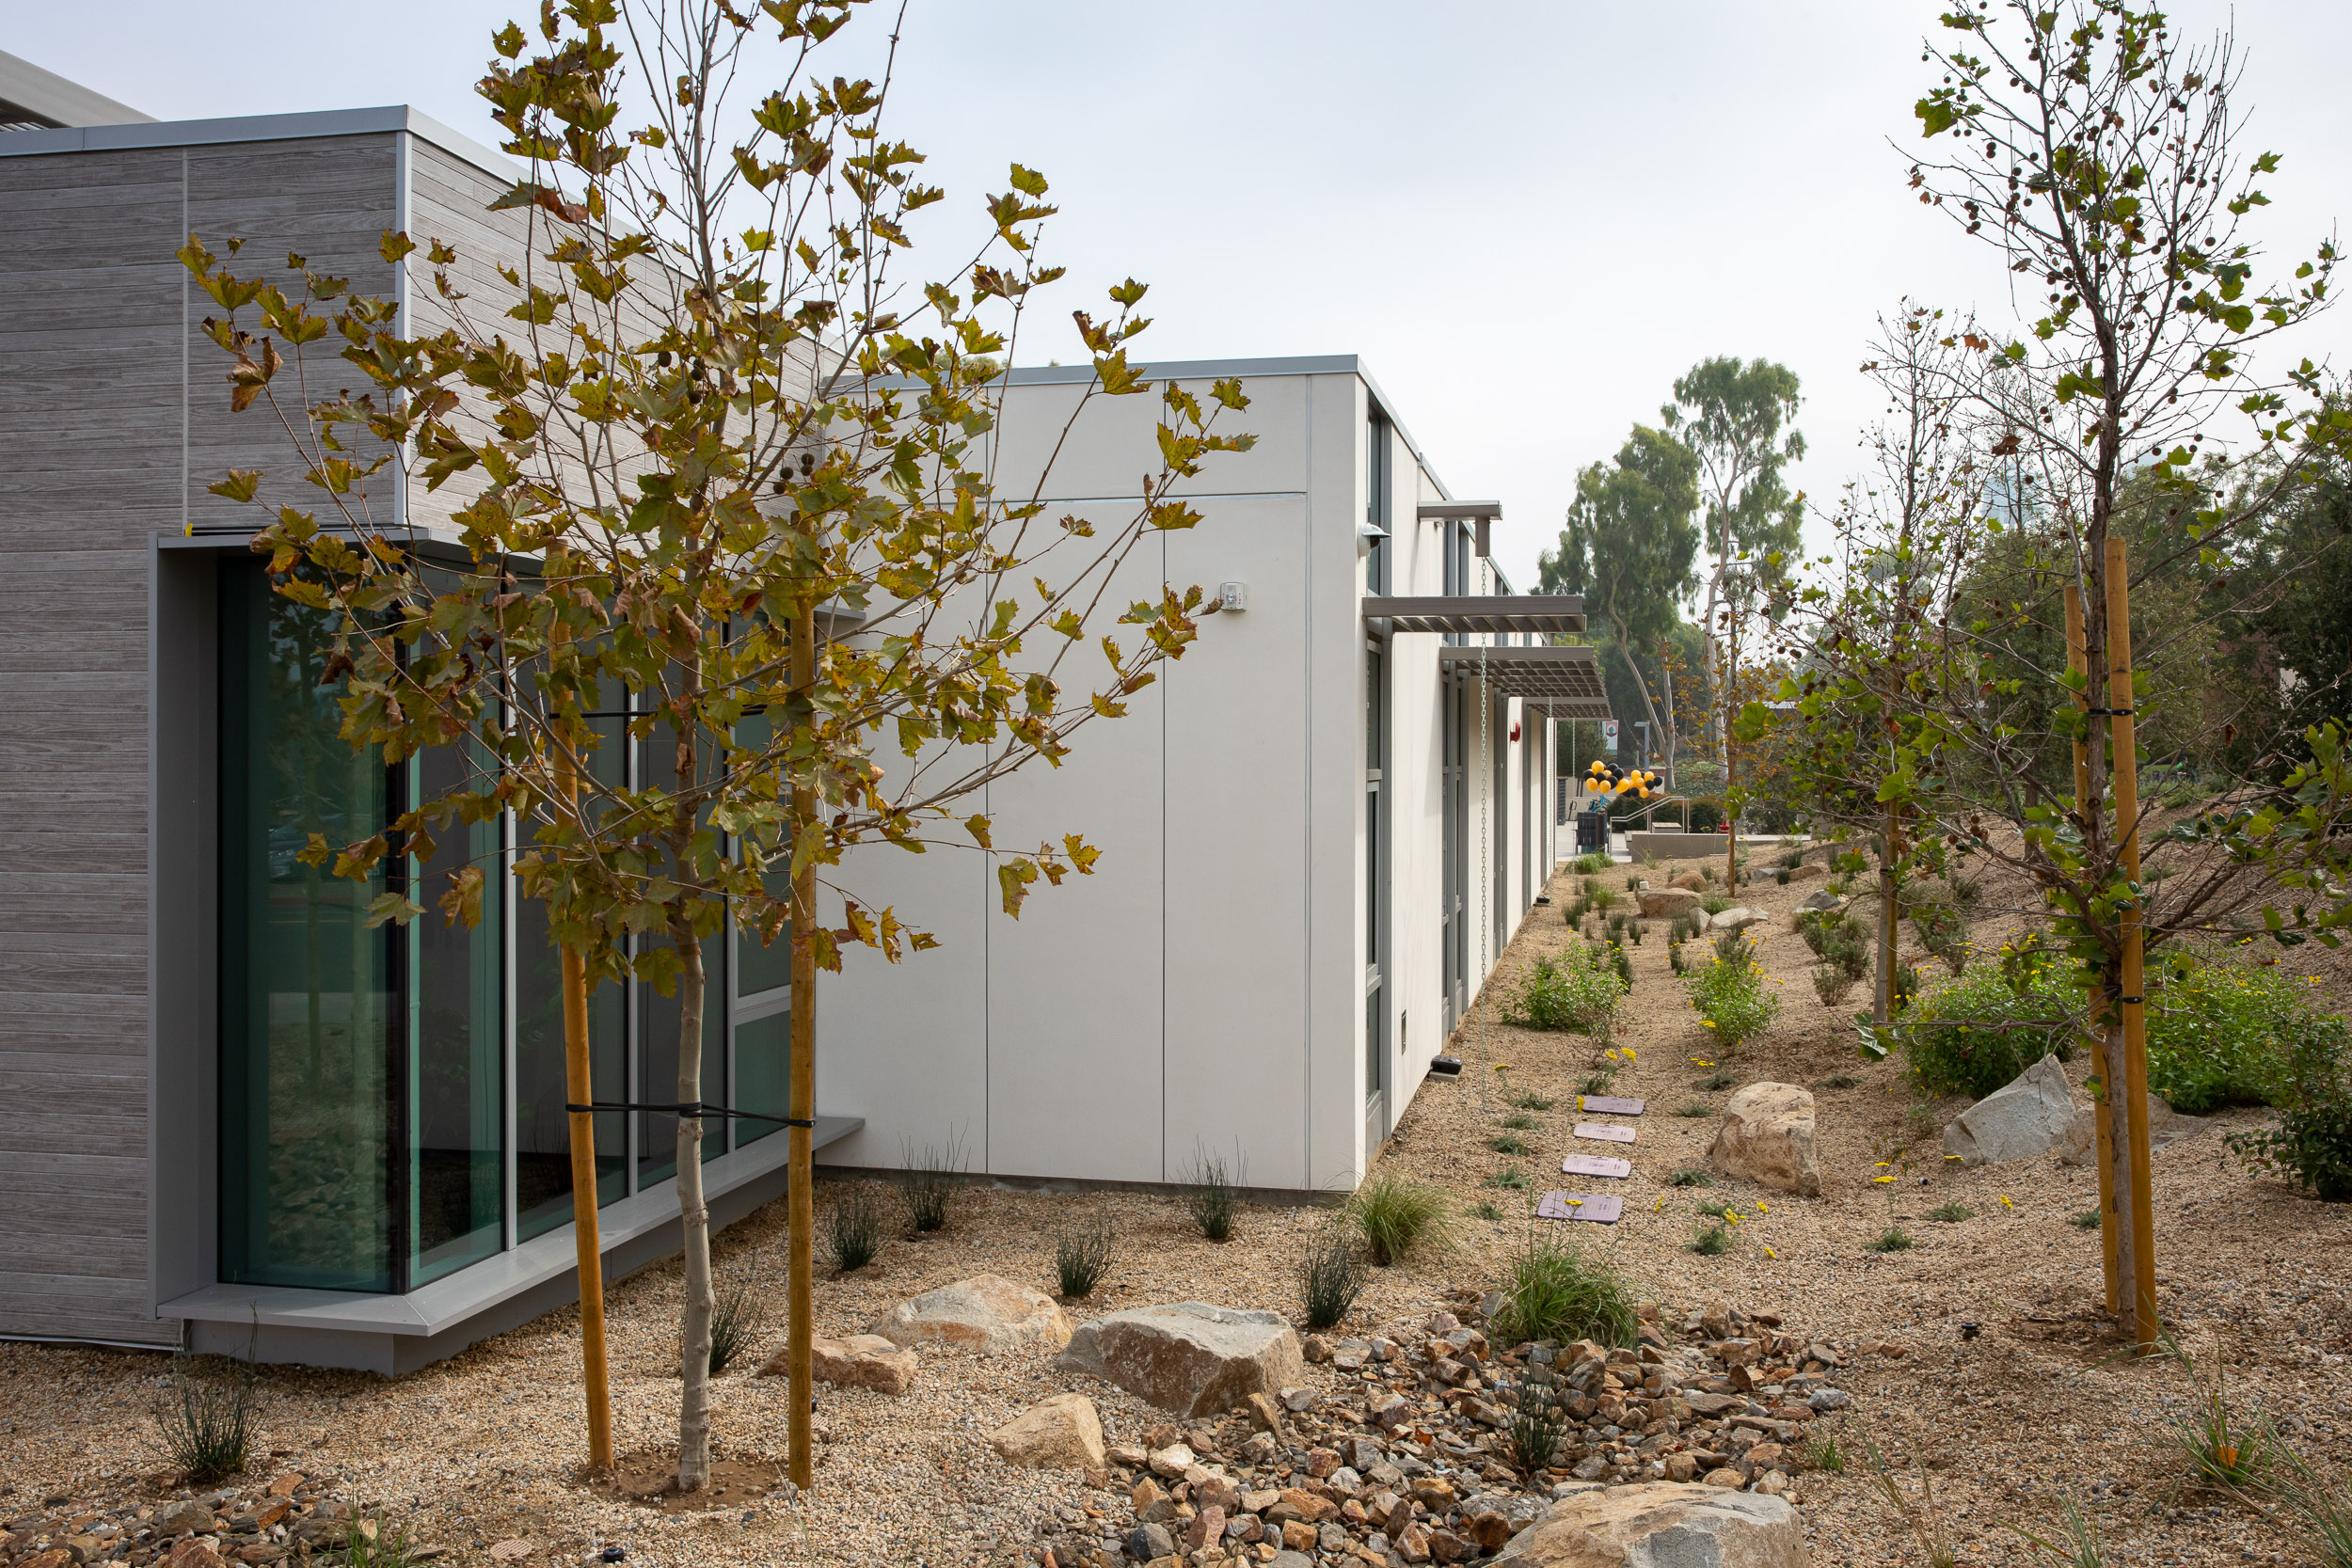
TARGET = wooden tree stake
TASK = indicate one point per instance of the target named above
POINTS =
(579, 1086)
(2102, 1105)
(2145, 1326)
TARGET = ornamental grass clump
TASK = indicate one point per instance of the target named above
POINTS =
(927, 1181)
(206, 1416)
(1211, 1194)
(738, 1311)
(1580, 991)
(1554, 1290)
(1082, 1256)
(1540, 1418)
(1395, 1216)
(1330, 1277)
(853, 1228)
(2223, 1449)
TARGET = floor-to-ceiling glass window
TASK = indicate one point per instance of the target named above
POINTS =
(456, 1089)
(310, 1012)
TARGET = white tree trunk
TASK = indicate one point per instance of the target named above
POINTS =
(693, 1425)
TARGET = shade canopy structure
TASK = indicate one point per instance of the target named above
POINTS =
(1542, 614)
(1565, 680)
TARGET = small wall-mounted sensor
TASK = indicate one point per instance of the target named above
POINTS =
(1232, 596)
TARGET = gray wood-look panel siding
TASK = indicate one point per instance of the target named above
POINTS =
(100, 452)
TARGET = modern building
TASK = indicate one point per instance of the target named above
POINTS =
(227, 1106)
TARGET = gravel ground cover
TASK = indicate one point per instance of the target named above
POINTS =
(1986, 1362)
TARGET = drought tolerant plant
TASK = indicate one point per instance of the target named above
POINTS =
(1519, 1121)
(1731, 1002)
(1719, 1081)
(2073, 1537)
(2222, 1449)
(1833, 986)
(1892, 1239)
(1506, 1143)
(1486, 1210)
(1690, 1175)
(1330, 1277)
(371, 1540)
(1623, 964)
(927, 1181)
(2221, 1033)
(1951, 1213)
(1540, 1419)
(1943, 932)
(1923, 1521)
(1711, 1240)
(1394, 1215)
(1556, 1291)
(2312, 1143)
(853, 1228)
(1837, 1080)
(1590, 865)
(1513, 1179)
(1976, 1031)
(1694, 1108)
(1082, 1256)
(1211, 1194)
(1714, 903)
(1526, 1100)
(2084, 1219)
(739, 1311)
(2318, 1500)
(206, 1415)
(1579, 991)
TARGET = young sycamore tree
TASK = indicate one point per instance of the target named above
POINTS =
(2098, 156)
(711, 461)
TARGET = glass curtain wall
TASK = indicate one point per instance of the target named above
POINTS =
(369, 1107)
(310, 1007)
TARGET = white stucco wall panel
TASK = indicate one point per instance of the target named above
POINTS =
(1236, 1016)
(1114, 443)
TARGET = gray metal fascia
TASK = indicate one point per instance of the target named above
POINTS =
(46, 95)
(259, 128)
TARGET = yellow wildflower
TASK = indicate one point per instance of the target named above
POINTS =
(1882, 1181)
(1768, 1252)
(1762, 1208)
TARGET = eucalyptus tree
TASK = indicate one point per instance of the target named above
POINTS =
(1735, 419)
(1627, 547)
(715, 458)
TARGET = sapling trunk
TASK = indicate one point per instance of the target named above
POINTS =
(693, 1425)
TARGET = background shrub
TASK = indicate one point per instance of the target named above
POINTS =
(2312, 1143)
(1978, 1031)
(1580, 991)
(1731, 997)
(1707, 816)
(2220, 1033)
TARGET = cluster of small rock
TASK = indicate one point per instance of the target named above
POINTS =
(1407, 1460)
(262, 1526)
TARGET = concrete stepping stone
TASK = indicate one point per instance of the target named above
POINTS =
(1597, 1164)
(1605, 1133)
(1598, 1209)
(1610, 1105)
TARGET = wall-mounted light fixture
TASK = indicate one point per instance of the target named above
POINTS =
(1368, 533)
(1233, 598)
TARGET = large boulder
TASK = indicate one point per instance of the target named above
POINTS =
(2164, 1126)
(1191, 1357)
(983, 1313)
(1737, 918)
(1662, 1525)
(1665, 903)
(1807, 871)
(1063, 1433)
(1767, 1136)
(1821, 900)
(2029, 1115)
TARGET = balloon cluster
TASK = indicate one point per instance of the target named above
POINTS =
(1603, 779)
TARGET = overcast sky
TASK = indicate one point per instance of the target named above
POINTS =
(1528, 216)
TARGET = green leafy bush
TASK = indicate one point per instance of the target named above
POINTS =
(2313, 1142)
(1707, 816)
(1731, 1001)
(1978, 1031)
(1580, 991)
(2219, 1034)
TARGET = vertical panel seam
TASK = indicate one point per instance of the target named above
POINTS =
(1307, 878)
